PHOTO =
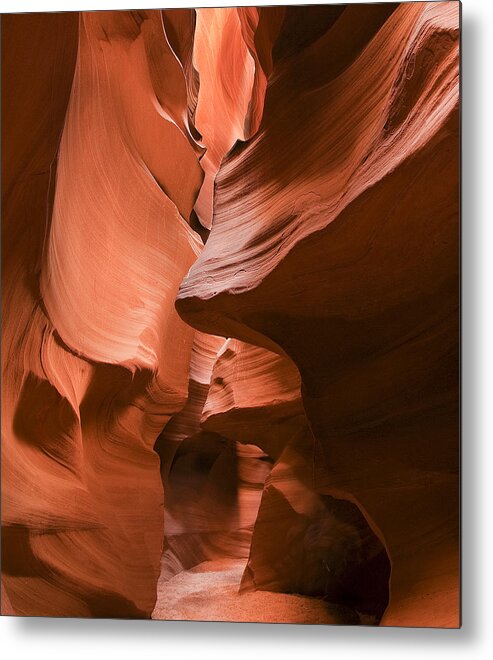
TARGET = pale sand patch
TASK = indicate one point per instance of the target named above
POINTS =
(209, 592)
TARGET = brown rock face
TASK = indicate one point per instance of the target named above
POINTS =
(95, 357)
(261, 427)
(335, 241)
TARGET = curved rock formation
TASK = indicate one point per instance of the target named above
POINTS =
(226, 71)
(213, 485)
(335, 241)
(95, 356)
(303, 542)
(254, 397)
(230, 304)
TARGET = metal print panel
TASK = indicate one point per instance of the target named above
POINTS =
(230, 271)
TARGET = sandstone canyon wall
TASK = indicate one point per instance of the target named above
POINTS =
(230, 271)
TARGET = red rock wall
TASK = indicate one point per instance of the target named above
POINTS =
(285, 395)
(95, 357)
(335, 241)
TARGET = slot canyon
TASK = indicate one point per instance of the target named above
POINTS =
(230, 274)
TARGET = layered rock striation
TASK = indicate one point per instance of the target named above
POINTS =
(230, 245)
(96, 358)
(335, 242)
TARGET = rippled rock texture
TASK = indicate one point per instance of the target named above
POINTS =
(230, 271)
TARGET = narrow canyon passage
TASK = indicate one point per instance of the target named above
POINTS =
(230, 275)
(241, 509)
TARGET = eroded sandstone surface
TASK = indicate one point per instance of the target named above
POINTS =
(230, 271)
